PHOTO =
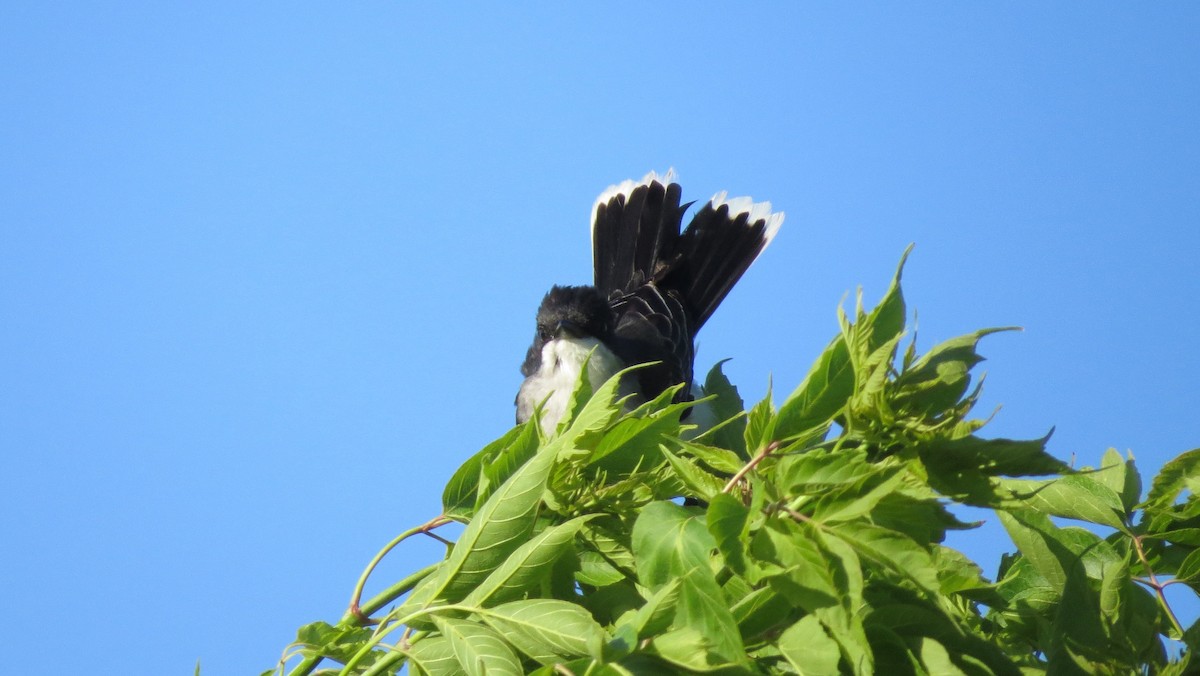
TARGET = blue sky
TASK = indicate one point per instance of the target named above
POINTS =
(267, 270)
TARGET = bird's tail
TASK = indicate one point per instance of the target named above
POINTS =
(723, 239)
(636, 239)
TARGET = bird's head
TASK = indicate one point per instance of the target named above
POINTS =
(574, 312)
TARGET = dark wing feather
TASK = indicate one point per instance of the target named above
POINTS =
(654, 327)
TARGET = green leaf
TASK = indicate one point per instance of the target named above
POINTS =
(719, 459)
(1120, 476)
(548, 630)
(795, 564)
(460, 498)
(886, 322)
(1052, 550)
(1172, 480)
(937, 660)
(671, 543)
(809, 649)
(433, 656)
(940, 378)
(728, 406)
(822, 394)
(1075, 496)
(894, 551)
(760, 424)
(598, 411)
(528, 565)
(699, 484)
(727, 520)
(634, 440)
(480, 651)
(1189, 570)
(689, 649)
(504, 521)
(855, 500)
(668, 542)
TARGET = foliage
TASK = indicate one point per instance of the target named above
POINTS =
(810, 540)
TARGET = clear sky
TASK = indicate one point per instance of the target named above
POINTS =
(267, 270)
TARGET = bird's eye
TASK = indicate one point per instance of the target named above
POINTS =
(543, 333)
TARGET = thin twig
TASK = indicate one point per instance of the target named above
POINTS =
(759, 457)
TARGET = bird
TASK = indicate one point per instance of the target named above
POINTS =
(653, 288)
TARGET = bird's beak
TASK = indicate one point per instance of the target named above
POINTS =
(569, 329)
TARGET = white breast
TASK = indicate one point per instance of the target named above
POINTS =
(555, 379)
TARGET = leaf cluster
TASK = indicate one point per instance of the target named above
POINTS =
(803, 538)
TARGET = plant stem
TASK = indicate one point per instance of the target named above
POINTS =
(1156, 586)
(355, 610)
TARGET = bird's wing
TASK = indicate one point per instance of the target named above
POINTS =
(652, 326)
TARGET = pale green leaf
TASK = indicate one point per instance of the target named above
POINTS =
(480, 651)
(547, 630)
(528, 565)
(809, 649)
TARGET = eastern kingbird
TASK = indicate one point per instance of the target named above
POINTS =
(653, 289)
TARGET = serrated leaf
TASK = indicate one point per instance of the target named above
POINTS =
(760, 424)
(669, 541)
(1121, 476)
(885, 323)
(1075, 496)
(809, 650)
(547, 630)
(824, 391)
(597, 411)
(700, 484)
(936, 381)
(893, 551)
(528, 565)
(1172, 479)
(761, 611)
(480, 651)
(688, 649)
(1053, 550)
(719, 459)
(1189, 570)
(727, 406)
(854, 500)
(936, 659)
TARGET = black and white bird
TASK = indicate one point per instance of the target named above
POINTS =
(653, 288)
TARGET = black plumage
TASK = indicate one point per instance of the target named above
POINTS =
(654, 286)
